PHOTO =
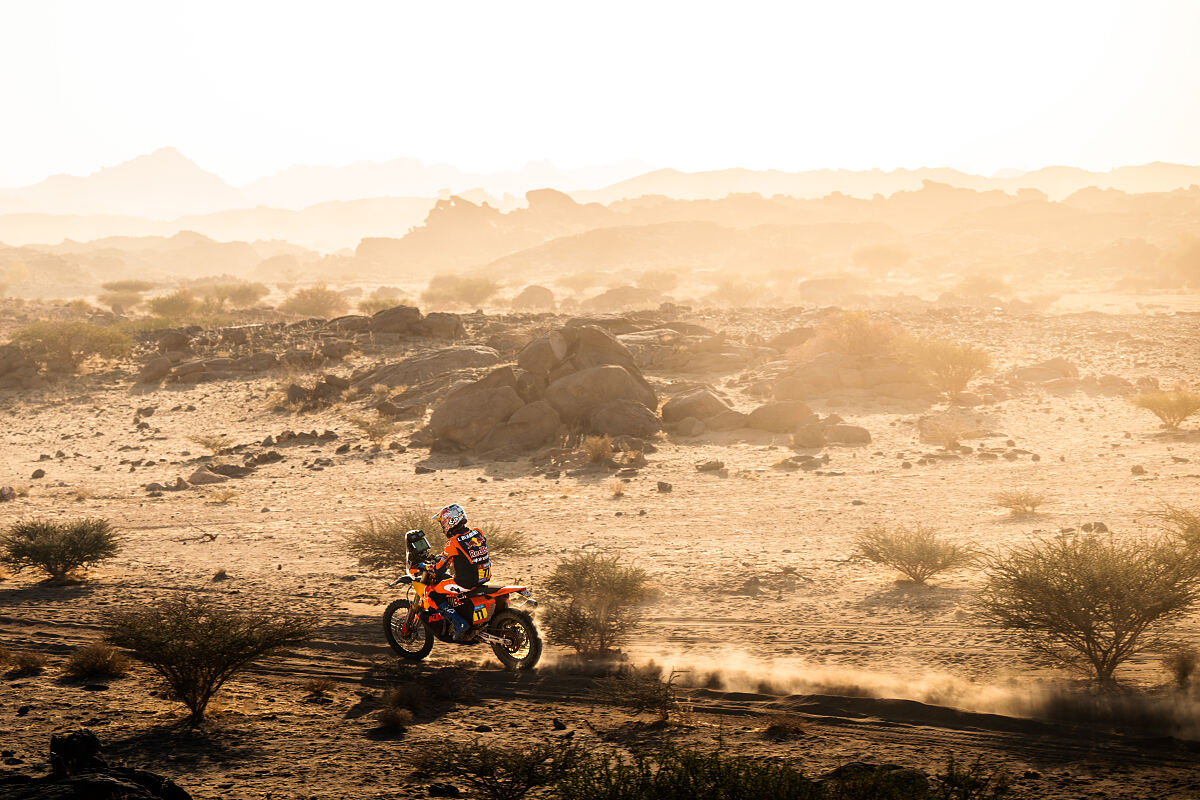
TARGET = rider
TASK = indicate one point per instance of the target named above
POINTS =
(466, 553)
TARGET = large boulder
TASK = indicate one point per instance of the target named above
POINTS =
(154, 370)
(543, 355)
(400, 319)
(470, 413)
(783, 417)
(529, 428)
(534, 298)
(576, 395)
(699, 403)
(624, 418)
(575, 348)
(441, 325)
(847, 434)
(413, 370)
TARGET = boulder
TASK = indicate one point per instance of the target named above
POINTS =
(791, 338)
(468, 415)
(441, 325)
(205, 476)
(351, 323)
(260, 362)
(529, 428)
(624, 418)
(154, 370)
(699, 403)
(782, 417)
(847, 434)
(543, 355)
(412, 371)
(336, 349)
(728, 421)
(400, 319)
(7, 494)
(534, 298)
(809, 436)
(173, 341)
(1048, 370)
(576, 395)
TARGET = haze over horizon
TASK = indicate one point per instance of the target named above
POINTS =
(248, 90)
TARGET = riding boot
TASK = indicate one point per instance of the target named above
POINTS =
(461, 626)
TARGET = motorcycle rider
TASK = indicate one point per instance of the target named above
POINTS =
(466, 554)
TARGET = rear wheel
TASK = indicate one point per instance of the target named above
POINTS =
(522, 645)
(417, 642)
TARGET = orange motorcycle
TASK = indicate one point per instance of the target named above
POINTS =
(413, 622)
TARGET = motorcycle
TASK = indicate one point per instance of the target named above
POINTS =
(413, 622)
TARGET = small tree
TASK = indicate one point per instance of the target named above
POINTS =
(68, 344)
(917, 552)
(58, 548)
(1170, 407)
(1090, 602)
(196, 645)
(177, 304)
(950, 366)
(315, 301)
(595, 602)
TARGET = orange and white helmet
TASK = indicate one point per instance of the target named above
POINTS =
(451, 517)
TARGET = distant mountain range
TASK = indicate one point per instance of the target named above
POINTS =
(328, 208)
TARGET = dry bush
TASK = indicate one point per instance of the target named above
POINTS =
(578, 281)
(97, 660)
(460, 290)
(379, 542)
(1021, 501)
(24, 665)
(237, 294)
(598, 448)
(214, 444)
(946, 432)
(315, 301)
(917, 552)
(1182, 523)
(640, 689)
(1181, 665)
(68, 344)
(1170, 407)
(1088, 602)
(855, 333)
(120, 302)
(617, 487)
(394, 718)
(221, 497)
(949, 366)
(82, 493)
(502, 772)
(504, 540)
(373, 306)
(377, 430)
(179, 304)
(782, 727)
(317, 688)
(595, 602)
(127, 286)
(57, 548)
(196, 645)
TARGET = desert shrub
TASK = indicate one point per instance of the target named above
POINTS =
(1088, 602)
(465, 290)
(1182, 523)
(212, 443)
(1181, 665)
(617, 487)
(196, 645)
(179, 304)
(238, 294)
(917, 552)
(317, 688)
(640, 689)
(855, 333)
(598, 448)
(394, 718)
(376, 430)
(595, 602)
(97, 660)
(379, 543)
(1170, 407)
(23, 665)
(68, 344)
(499, 773)
(504, 540)
(221, 497)
(1020, 501)
(127, 286)
(120, 301)
(950, 366)
(57, 548)
(782, 727)
(315, 301)
(738, 293)
(947, 432)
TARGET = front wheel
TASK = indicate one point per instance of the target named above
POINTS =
(414, 645)
(522, 645)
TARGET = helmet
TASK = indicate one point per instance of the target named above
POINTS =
(451, 517)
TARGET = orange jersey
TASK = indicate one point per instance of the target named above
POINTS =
(467, 553)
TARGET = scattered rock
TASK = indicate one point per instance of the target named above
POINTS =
(38, 473)
(710, 466)
(698, 403)
(7, 494)
(663, 486)
(204, 476)
(1136, 469)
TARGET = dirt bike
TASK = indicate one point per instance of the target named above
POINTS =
(413, 622)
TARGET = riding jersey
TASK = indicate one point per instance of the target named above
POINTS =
(467, 553)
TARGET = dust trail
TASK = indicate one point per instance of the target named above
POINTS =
(1167, 713)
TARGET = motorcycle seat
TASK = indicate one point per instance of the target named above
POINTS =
(481, 590)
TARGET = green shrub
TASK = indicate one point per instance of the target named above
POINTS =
(57, 548)
(460, 290)
(1088, 602)
(595, 601)
(68, 344)
(917, 552)
(315, 301)
(379, 543)
(1170, 407)
(196, 645)
(237, 294)
(97, 660)
(950, 366)
(179, 304)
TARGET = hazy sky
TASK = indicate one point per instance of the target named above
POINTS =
(245, 88)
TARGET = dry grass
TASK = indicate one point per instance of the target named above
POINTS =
(82, 493)
(1182, 523)
(617, 487)
(24, 665)
(1021, 501)
(377, 430)
(1171, 407)
(315, 301)
(221, 497)
(97, 660)
(782, 727)
(854, 333)
(317, 688)
(917, 552)
(948, 365)
(598, 448)
(394, 718)
(213, 443)
(949, 433)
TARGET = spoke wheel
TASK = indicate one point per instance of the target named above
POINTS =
(414, 645)
(522, 645)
